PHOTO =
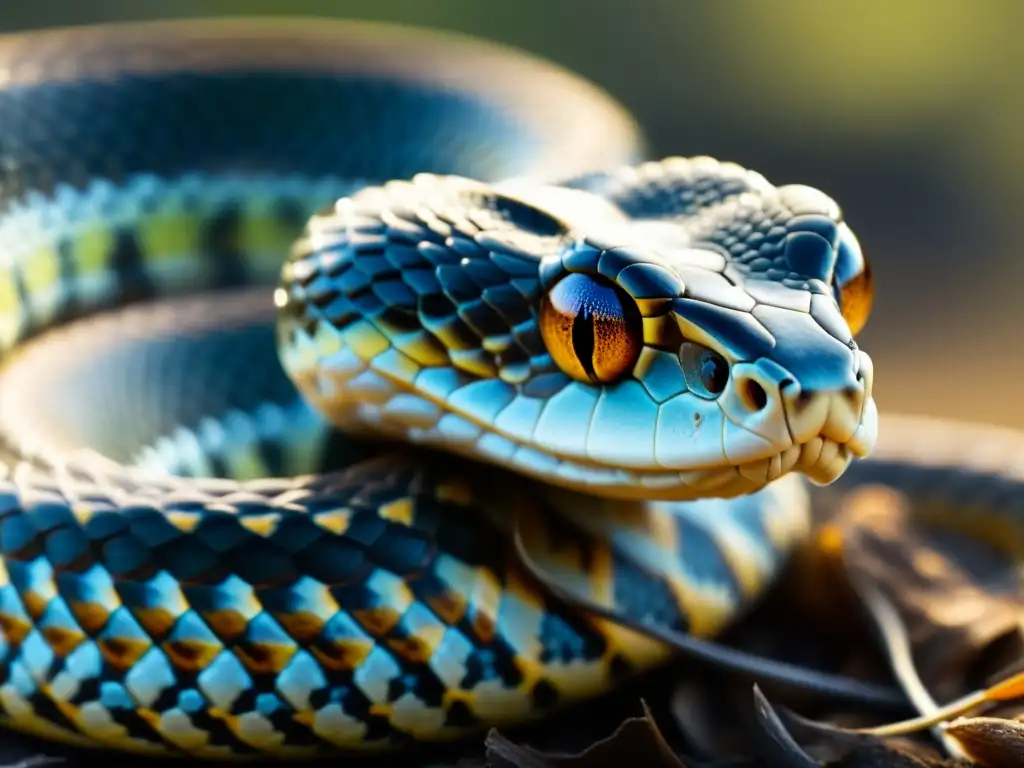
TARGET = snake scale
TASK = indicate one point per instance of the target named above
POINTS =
(296, 317)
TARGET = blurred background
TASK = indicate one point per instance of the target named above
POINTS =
(906, 112)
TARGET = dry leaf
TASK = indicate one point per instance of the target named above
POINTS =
(955, 595)
(777, 745)
(955, 607)
(713, 713)
(989, 741)
(837, 746)
(637, 741)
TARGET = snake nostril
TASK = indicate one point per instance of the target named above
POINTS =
(754, 395)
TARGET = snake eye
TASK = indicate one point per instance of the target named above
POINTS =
(591, 327)
(705, 371)
(852, 282)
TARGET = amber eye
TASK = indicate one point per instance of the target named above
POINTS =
(853, 283)
(592, 328)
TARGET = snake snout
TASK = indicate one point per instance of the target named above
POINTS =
(817, 418)
(834, 410)
(833, 414)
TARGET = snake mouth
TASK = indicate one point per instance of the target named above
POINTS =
(821, 459)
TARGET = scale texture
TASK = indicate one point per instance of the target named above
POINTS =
(304, 324)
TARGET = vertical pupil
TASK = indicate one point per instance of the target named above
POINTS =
(583, 339)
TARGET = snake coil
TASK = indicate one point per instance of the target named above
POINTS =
(296, 317)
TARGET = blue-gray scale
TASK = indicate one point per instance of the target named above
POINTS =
(353, 127)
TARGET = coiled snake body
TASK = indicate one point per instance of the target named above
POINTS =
(637, 362)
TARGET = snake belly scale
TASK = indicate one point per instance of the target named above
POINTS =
(297, 317)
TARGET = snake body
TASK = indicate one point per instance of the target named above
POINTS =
(297, 317)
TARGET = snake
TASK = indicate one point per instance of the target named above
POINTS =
(304, 322)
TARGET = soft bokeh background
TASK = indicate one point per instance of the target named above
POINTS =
(909, 113)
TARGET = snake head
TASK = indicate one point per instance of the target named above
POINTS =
(677, 330)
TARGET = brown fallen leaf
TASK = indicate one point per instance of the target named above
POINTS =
(932, 603)
(778, 736)
(989, 741)
(713, 713)
(959, 602)
(775, 742)
(847, 748)
(889, 756)
(637, 740)
(957, 596)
